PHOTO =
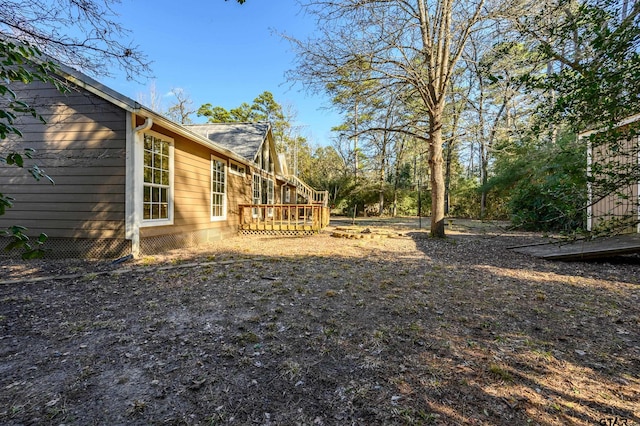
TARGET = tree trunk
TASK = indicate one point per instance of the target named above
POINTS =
(483, 178)
(436, 165)
(394, 210)
(396, 178)
(484, 165)
(381, 180)
(355, 141)
(447, 179)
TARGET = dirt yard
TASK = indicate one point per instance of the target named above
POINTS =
(392, 328)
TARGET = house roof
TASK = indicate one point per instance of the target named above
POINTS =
(631, 119)
(128, 104)
(244, 139)
(239, 141)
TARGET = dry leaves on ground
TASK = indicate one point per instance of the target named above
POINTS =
(319, 330)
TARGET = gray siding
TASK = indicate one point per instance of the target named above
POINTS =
(82, 148)
(621, 206)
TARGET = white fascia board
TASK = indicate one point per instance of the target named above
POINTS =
(273, 152)
(128, 104)
(628, 120)
(98, 89)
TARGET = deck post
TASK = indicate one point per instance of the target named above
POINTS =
(283, 217)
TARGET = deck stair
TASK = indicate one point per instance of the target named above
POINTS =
(309, 194)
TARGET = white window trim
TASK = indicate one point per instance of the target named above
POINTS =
(271, 195)
(238, 165)
(140, 170)
(226, 185)
(254, 200)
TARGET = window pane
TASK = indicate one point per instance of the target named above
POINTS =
(218, 195)
(156, 176)
(147, 175)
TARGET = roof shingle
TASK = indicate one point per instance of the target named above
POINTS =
(244, 139)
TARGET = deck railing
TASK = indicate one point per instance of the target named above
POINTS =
(311, 195)
(283, 217)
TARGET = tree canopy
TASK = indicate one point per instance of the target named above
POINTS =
(410, 48)
(481, 90)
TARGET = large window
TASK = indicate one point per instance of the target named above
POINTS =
(157, 179)
(257, 189)
(218, 189)
(257, 193)
(270, 192)
(270, 196)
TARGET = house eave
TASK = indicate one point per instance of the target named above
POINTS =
(626, 121)
(128, 104)
(93, 86)
(182, 131)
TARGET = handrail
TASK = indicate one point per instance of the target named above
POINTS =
(312, 196)
(283, 217)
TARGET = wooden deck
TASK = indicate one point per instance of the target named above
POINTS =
(584, 249)
(285, 218)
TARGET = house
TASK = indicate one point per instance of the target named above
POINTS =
(130, 181)
(614, 206)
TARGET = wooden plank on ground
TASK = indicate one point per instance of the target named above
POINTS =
(585, 249)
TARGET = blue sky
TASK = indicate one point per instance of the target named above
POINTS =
(223, 53)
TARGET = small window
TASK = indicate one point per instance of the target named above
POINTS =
(237, 168)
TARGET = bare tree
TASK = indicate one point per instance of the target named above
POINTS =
(153, 100)
(84, 34)
(409, 46)
(182, 109)
(496, 71)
